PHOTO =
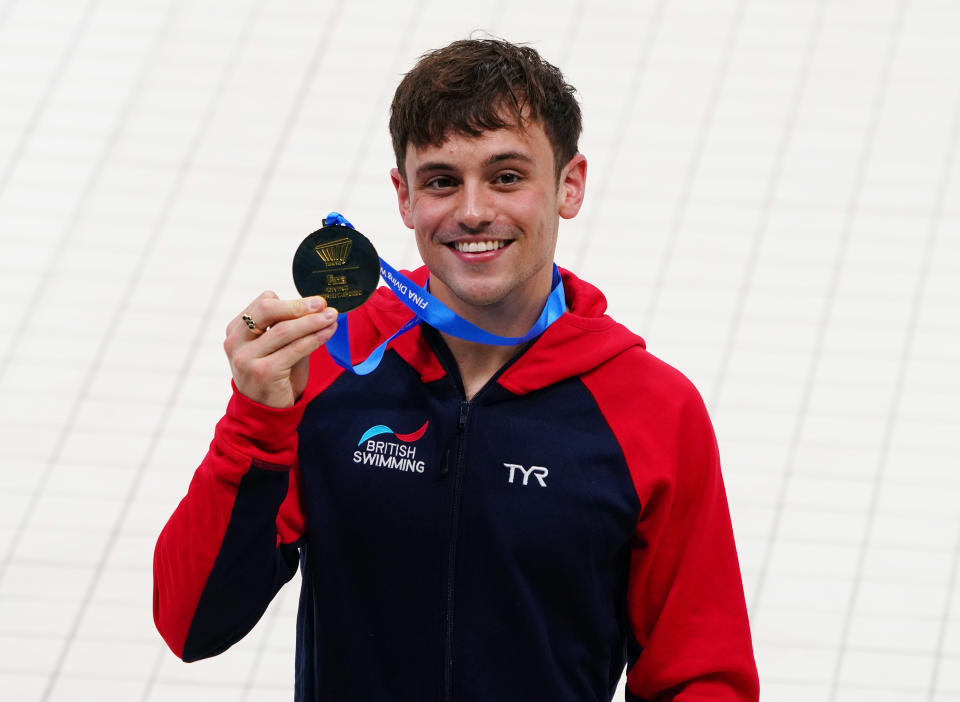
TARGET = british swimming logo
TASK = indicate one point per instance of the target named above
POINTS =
(400, 454)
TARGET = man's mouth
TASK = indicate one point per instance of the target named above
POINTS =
(478, 246)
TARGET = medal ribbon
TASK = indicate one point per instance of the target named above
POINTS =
(435, 313)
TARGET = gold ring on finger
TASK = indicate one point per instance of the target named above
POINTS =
(251, 325)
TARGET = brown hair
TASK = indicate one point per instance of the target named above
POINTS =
(476, 85)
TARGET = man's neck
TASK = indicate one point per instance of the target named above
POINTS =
(478, 363)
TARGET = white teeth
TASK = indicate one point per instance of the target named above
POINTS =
(478, 246)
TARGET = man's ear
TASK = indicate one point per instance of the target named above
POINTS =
(573, 184)
(403, 196)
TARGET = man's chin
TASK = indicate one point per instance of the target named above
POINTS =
(480, 295)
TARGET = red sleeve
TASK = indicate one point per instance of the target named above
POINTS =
(685, 594)
(232, 541)
(256, 447)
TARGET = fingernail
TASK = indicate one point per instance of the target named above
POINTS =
(330, 314)
(313, 304)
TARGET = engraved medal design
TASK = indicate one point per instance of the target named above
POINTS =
(338, 263)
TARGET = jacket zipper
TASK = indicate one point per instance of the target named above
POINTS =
(454, 457)
(453, 460)
(451, 456)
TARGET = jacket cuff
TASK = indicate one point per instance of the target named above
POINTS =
(255, 431)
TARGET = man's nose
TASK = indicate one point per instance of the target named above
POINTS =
(475, 209)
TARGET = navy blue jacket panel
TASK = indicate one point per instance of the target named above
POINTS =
(503, 530)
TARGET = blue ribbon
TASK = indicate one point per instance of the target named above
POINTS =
(435, 313)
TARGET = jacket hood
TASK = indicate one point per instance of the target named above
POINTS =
(583, 338)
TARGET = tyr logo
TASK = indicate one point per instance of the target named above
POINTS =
(538, 472)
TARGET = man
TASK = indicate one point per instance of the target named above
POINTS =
(472, 521)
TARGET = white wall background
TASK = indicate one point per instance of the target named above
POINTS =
(773, 203)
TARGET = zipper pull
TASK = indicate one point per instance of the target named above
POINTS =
(452, 445)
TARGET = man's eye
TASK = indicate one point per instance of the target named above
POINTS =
(440, 182)
(507, 179)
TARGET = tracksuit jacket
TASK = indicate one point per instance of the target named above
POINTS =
(524, 545)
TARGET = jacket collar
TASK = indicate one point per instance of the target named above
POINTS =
(582, 339)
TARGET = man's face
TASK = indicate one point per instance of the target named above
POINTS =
(485, 211)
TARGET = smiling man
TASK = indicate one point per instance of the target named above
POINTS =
(472, 520)
(485, 211)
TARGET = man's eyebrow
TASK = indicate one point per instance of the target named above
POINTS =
(508, 156)
(432, 167)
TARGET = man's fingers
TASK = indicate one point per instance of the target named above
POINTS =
(238, 323)
(283, 333)
(271, 311)
(266, 342)
(262, 364)
(263, 357)
(288, 355)
(267, 309)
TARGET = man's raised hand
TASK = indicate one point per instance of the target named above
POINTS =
(270, 343)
